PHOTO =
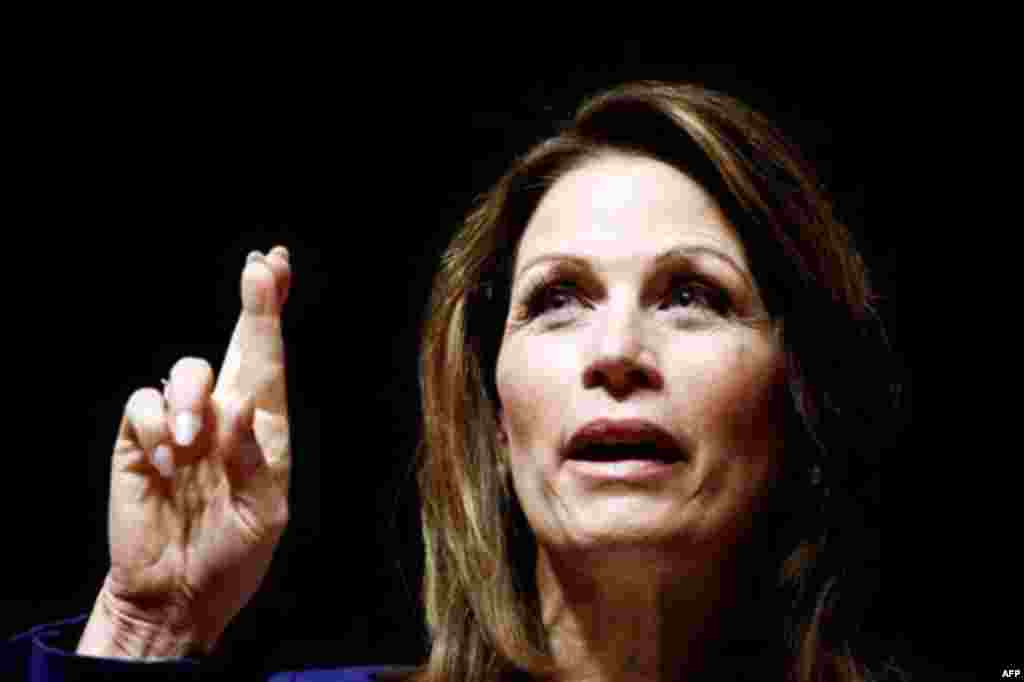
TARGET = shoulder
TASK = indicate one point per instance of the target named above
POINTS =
(366, 673)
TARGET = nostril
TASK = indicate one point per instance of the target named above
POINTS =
(622, 375)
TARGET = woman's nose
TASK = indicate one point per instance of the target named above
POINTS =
(620, 360)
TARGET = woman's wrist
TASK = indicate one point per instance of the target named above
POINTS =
(117, 631)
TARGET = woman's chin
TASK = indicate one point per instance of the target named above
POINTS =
(619, 525)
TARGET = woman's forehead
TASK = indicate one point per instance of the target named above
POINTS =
(625, 209)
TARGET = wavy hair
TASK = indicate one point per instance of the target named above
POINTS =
(480, 596)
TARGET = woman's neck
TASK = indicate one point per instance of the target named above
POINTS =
(635, 615)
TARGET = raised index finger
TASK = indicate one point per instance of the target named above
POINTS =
(255, 359)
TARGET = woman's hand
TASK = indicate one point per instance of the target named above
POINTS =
(199, 488)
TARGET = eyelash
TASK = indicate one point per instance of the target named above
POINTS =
(538, 298)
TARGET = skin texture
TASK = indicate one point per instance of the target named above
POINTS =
(635, 577)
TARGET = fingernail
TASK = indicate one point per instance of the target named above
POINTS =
(253, 255)
(283, 252)
(163, 460)
(186, 426)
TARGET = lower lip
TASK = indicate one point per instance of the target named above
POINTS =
(623, 469)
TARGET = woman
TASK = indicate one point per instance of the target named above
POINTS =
(642, 435)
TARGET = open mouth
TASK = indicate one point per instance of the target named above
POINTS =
(615, 452)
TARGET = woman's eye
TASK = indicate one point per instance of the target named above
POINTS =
(690, 293)
(553, 297)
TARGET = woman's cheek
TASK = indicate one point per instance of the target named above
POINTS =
(529, 395)
(729, 382)
(742, 419)
(756, 396)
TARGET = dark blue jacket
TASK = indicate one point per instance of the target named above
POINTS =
(46, 653)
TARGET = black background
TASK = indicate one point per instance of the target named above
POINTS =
(127, 255)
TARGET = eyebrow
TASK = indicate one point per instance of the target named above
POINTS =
(673, 254)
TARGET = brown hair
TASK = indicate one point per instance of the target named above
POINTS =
(479, 592)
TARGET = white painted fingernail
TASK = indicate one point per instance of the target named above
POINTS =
(186, 426)
(163, 460)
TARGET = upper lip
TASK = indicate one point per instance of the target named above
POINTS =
(623, 430)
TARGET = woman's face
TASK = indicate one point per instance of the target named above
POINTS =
(632, 299)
